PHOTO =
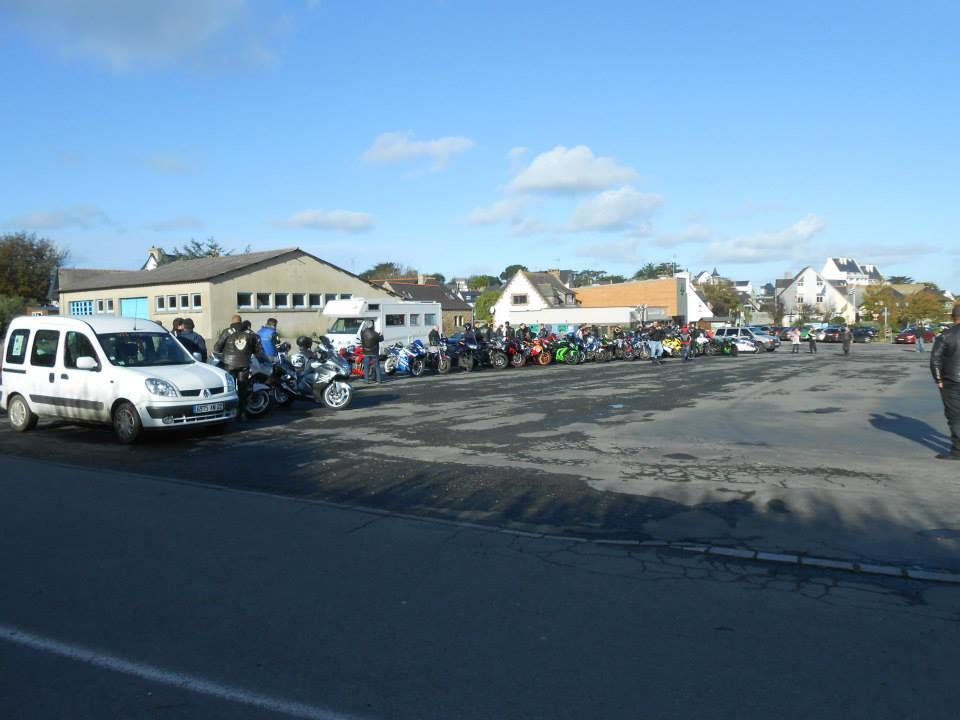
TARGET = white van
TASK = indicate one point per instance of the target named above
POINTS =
(396, 320)
(125, 371)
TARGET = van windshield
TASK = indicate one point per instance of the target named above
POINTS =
(143, 349)
(346, 325)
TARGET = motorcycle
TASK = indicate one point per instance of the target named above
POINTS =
(438, 359)
(353, 355)
(568, 351)
(259, 389)
(322, 375)
(409, 359)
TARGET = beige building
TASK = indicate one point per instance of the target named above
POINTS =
(289, 284)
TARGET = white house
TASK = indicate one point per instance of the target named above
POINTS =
(851, 272)
(829, 298)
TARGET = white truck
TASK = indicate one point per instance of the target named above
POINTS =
(396, 320)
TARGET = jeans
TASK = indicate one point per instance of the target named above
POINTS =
(796, 348)
(919, 342)
(371, 363)
(687, 351)
(656, 349)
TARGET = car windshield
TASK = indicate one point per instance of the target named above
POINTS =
(346, 325)
(138, 349)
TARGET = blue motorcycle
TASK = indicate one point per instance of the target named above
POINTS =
(410, 359)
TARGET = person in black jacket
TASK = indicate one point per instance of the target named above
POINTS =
(945, 367)
(238, 345)
(370, 339)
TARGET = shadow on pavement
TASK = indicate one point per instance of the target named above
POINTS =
(911, 429)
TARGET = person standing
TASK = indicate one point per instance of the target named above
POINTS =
(686, 341)
(238, 345)
(370, 340)
(794, 341)
(269, 339)
(847, 338)
(192, 340)
(655, 341)
(945, 368)
(920, 331)
(812, 341)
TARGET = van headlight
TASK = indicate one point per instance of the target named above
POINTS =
(156, 386)
(231, 383)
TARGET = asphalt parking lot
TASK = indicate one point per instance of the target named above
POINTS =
(820, 454)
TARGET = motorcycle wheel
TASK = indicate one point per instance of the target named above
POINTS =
(734, 350)
(629, 355)
(416, 367)
(337, 395)
(258, 402)
(544, 358)
(390, 365)
(466, 363)
(517, 360)
(644, 353)
(443, 365)
(499, 360)
(571, 357)
(281, 397)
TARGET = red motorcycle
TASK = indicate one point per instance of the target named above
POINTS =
(353, 354)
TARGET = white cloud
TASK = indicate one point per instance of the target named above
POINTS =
(572, 170)
(693, 233)
(345, 220)
(768, 246)
(517, 152)
(394, 147)
(181, 222)
(80, 216)
(126, 35)
(171, 165)
(614, 210)
(619, 251)
(528, 226)
(509, 210)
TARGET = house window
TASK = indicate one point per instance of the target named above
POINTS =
(244, 300)
(373, 306)
(328, 297)
(100, 306)
(161, 303)
(799, 282)
(346, 296)
(518, 299)
(299, 301)
(109, 306)
(184, 301)
(430, 319)
(196, 302)
(394, 320)
(171, 302)
(458, 320)
(414, 319)
(819, 299)
(799, 299)
(316, 300)
(81, 307)
(281, 300)
(263, 300)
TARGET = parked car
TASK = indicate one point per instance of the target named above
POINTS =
(766, 342)
(833, 333)
(804, 334)
(909, 336)
(863, 335)
(125, 371)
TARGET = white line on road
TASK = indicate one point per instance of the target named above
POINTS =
(191, 683)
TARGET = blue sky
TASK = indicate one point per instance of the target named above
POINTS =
(462, 137)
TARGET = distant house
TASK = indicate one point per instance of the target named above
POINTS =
(456, 312)
(288, 284)
(158, 256)
(827, 298)
(849, 271)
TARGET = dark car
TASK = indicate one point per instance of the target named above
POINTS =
(833, 333)
(863, 335)
(909, 336)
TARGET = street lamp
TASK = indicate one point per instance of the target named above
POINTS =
(852, 294)
(643, 314)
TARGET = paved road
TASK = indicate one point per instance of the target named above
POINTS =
(824, 455)
(132, 597)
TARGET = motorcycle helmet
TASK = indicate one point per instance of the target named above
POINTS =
(304, 343)
(299, 361)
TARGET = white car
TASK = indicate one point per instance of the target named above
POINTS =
(742, 333)
(128, 372)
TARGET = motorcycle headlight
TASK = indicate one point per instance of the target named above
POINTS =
(231, 383)
(156, 386)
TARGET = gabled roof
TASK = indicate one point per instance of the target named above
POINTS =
(182, 271)
(411, 290)
(548, 286)
(847, 265)
(872, 272)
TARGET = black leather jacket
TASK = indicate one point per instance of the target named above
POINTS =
(945, 356)
(370, 339)
(237, 346)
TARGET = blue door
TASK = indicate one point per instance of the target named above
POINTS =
(134, 307)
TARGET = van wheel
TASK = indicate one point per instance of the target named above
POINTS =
(22, 418)
(126, 423)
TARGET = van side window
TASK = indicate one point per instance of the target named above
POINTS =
(17, 346)
(77, 345)
(45, 344)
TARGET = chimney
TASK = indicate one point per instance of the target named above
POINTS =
(555, 272)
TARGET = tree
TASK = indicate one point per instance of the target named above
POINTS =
(27, 264)
(439, 277)
(924, 306)
(512, 270)
(652, 272)
(807, 312)
(722, 297)
(614, 278)
(387, 270)
(876, 298)
(900, 280)
(486, 301)
(10, 307)
(482, 282)
(196, 249)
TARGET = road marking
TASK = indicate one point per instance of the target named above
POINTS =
(191, 683)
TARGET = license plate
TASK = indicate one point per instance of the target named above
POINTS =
(208, 408)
